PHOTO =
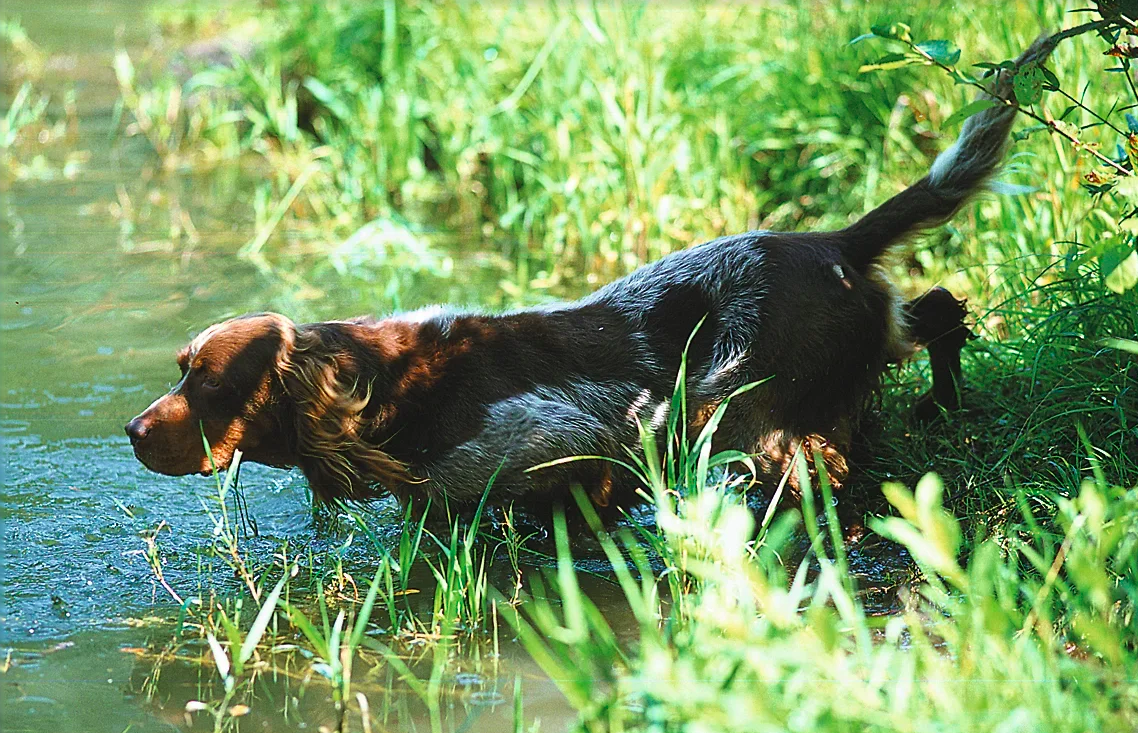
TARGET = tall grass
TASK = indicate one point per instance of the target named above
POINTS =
(1032, 629)
(583, 140)
(34, 120)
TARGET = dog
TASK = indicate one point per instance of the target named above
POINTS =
(436, 404)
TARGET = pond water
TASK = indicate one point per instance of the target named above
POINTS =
(106, 272)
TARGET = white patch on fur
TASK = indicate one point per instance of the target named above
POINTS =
(637, 405)
(660, 414)
(944, 163)
(726, 369)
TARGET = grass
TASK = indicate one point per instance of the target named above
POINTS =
(581, 141)
(36, 125)
(1027, 625)
(1036, 634)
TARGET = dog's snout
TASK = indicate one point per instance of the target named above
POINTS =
(137, 429)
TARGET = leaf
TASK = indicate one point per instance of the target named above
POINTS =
(365, 611)
(1128, 187)
(1011, 189)
(943, 52)
(896, 31)
(261, 622)
(219, 655)
(1009, 65)
(970, 109)
(1028, 85)
(1099, 636)
(300, 621)
(124, 69)
(328, 98)
(890, 61)
(1126, 345)
(1121, 276)
(1027, 132)
(1051, 81)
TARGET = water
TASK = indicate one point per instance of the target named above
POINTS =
(106, 272)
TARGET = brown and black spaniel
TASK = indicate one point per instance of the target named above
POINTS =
(434, 403)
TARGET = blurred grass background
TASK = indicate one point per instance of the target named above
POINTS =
(583, 140)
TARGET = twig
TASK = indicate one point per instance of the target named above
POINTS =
(1049, 124)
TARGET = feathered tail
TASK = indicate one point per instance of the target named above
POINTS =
(955, 174)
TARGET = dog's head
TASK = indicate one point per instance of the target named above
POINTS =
(284, 396)
(229, 389)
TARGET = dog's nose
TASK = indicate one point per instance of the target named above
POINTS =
(136, 430)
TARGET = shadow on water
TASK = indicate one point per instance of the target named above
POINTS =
(103, 279)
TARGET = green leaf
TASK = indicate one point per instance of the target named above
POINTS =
(365, 611)
(1126, 345)
(1099, 635)
(328, 98)
(943, 52)
(261, 622)
(969, 109)
(1051, 81)
(1121, 269)
(300, 621)
(1028, 85)
(890, 61)
(1008, 65)
(896, 31)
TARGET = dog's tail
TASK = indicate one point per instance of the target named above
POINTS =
(955, 174)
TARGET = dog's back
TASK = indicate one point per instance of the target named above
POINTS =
(810, 315)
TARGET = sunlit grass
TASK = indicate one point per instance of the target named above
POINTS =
(584, 140)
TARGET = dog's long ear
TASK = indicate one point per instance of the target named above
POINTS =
(328, 403)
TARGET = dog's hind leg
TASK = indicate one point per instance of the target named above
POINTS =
(777, 459)
(936, 321)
